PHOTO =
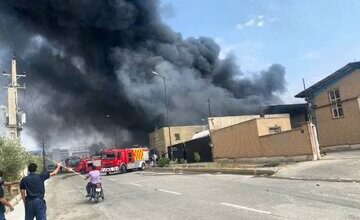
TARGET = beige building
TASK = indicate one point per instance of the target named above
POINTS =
(335, 107)
(264, 138)
(159, 139)
(222, 122)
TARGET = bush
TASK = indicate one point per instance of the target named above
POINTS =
(164, 161)
(13, 158)
(173, 162)
(197, 157)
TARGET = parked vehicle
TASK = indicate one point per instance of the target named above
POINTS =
(51, 167)
(122, 160)
(85, 165)
(97, 192)
(71, 163)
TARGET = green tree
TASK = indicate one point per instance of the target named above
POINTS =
(13, 158)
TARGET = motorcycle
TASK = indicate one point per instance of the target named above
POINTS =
(97, 192)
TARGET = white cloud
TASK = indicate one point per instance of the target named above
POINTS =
(250, 23)
(256, 21)
(260, 23)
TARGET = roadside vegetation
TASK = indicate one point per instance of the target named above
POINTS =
(164, 161)
(14, 159)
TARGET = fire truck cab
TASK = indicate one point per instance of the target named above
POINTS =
(122, 160)
(85, 165)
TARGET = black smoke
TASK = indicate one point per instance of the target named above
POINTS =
(90, 58)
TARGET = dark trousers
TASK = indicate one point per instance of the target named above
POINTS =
(2, 216)
(35, 208)
(89, 186)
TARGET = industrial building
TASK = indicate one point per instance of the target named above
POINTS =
(298, 112)
(335, 108)
(59, 154)
(159, 139)
(82, 152)
(216, 123)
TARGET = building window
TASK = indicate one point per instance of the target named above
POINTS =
(177, 137)
(335, 103)
(275, 129)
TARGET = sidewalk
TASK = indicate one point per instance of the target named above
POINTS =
(336, 166)
(19, 211)
(240, 171)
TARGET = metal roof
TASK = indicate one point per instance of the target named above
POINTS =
(284, 108)
(350, 67)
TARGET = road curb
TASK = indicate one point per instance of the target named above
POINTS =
(332, 180)
(239, 171)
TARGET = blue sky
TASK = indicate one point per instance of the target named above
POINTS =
(312, 39)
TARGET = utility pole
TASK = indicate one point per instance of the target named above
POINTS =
(307, 102)
(15, 118)
(44, 155)
(167, 113)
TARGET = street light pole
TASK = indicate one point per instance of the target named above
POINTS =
(167, 111)
(43, 156)
(115, 131)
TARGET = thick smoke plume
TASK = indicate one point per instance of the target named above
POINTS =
(90, 58)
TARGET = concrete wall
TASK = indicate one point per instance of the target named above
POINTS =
(222, 122)
(159, 139)
(265, 124)
(237, 141)
(243, 141)
(344, 130)
(295, 142)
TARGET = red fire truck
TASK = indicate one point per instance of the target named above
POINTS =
(85, 165)
(122, 160)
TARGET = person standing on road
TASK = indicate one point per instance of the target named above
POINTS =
(3, 201)
(33, 190)
(95, 178)
(154, 157)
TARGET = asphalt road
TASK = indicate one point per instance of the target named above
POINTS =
(146, 195)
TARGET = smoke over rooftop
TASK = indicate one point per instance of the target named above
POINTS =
(88, 58)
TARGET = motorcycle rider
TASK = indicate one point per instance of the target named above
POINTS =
(95, 178)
